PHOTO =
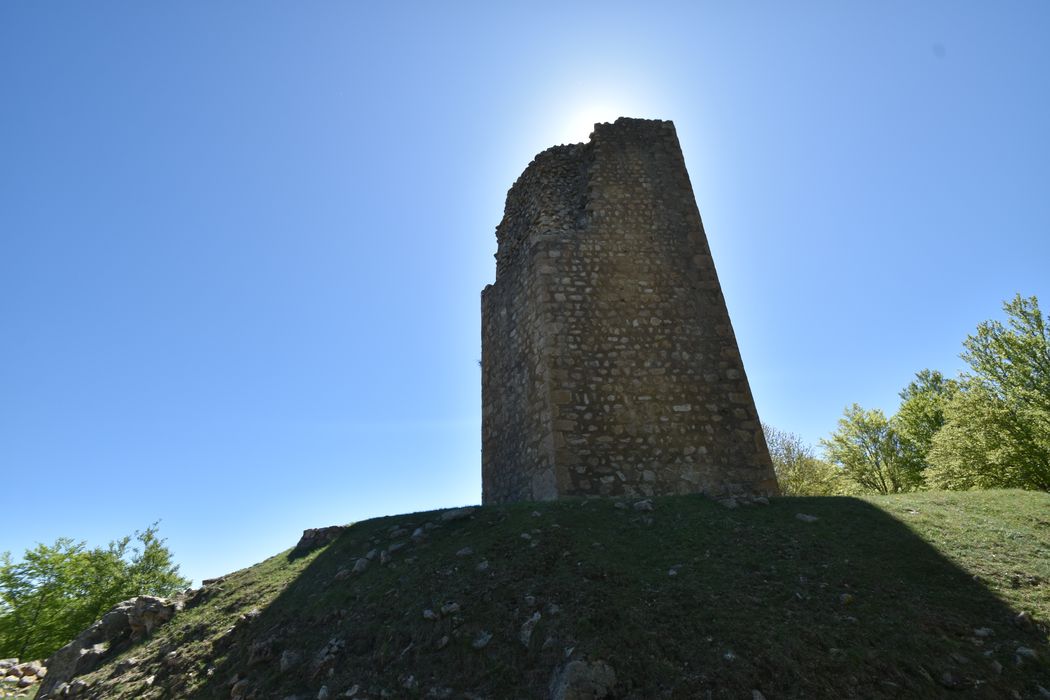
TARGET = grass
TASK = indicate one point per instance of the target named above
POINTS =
(879, 597)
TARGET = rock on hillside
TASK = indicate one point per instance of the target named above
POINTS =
(582, 599)
(18, 680)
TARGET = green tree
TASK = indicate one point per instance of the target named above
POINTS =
(921, 414)
(57, 590)
(868, 450)
(799, 471)
(997, 429)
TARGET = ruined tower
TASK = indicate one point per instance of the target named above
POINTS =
(609, 364)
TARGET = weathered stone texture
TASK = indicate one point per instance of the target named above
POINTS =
(609, 362)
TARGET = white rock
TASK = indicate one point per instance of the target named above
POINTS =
(289, 659)
(458, 514)
(1027, 653)
(525, 635)
(579, 680)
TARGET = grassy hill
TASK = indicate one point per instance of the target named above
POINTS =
(904, 596)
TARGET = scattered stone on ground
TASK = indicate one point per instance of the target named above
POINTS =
(289, 660)
(525, 635)
(17, 679)
(579, 680)
(1027, 653)
(806, 518)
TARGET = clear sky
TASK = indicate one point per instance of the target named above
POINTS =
(242, 243)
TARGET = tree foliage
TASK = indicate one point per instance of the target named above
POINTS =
(867, 448)
(921, 415)
(57, 590)
(799, 471)
(997, 428)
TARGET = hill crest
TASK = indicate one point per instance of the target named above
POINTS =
(595, 598)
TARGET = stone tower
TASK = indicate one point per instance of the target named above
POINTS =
(609, 364)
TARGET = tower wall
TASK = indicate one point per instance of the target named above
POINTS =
(609, 362)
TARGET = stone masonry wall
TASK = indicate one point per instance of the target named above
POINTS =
(609, 364)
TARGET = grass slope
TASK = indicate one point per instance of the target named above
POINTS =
(879, 597)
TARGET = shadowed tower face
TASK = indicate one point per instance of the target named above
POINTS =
(609, 364)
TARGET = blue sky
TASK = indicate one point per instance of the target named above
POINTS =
(242, 243)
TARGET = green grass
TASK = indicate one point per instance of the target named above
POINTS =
(879, 597)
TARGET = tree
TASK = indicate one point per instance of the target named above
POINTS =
(921, 414)
(997, 429)
(868, 450)
(56, 591)
(799, 472)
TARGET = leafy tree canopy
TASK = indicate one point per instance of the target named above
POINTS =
(997, 428)
(921, 414)
(868, 449)
(799, 472)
